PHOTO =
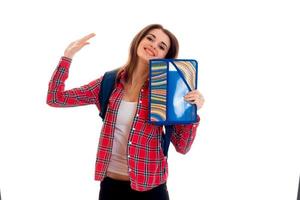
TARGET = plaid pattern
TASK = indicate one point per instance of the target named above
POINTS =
(147, 164)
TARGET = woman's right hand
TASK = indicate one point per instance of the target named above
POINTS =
(75, 46)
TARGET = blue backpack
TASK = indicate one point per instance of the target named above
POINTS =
(106, 89)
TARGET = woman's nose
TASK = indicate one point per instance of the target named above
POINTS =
(153, 46)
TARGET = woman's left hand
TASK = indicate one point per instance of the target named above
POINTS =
(195, 97)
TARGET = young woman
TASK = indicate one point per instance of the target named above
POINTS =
(130, 162)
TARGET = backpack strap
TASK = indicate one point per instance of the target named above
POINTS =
(107, 86)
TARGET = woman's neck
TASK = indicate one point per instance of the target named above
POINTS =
(140, 73)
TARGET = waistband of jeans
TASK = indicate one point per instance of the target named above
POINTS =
(109, 179)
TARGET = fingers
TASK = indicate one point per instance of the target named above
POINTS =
(195, 100)
(83, 44)
(87, 37)
(190, 97)
(194, 92)
(75, 46)
(195, 97)
(83, 41)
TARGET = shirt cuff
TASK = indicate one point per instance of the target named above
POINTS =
(65, 62)
(66, 58)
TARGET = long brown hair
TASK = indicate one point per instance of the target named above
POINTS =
(133, 57)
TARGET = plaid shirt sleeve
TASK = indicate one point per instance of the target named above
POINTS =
(183, 136)
(59, 97)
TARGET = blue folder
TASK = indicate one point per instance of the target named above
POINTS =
(170, 80)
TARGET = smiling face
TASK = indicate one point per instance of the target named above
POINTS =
(155, 44)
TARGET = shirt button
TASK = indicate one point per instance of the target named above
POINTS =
(140, 101)
(133, 128)
(128, 156)
(130, 143)
(142, 90)
(129, 170)
(137, 115)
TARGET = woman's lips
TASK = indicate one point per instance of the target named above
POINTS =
(149, 51)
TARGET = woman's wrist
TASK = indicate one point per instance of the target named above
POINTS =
(67, 58)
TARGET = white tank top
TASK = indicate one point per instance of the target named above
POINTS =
(118, 161)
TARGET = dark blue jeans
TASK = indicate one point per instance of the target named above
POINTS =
(112, 189)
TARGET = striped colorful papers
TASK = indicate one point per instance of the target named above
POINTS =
(170, 80)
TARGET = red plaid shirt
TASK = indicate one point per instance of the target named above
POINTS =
(147, 165)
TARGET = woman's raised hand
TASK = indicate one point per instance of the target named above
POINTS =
(195, 97)
(75, 46)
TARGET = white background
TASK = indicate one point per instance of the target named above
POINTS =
(247, 145)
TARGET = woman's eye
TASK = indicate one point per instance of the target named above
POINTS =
(162, 48)
(149, 38)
